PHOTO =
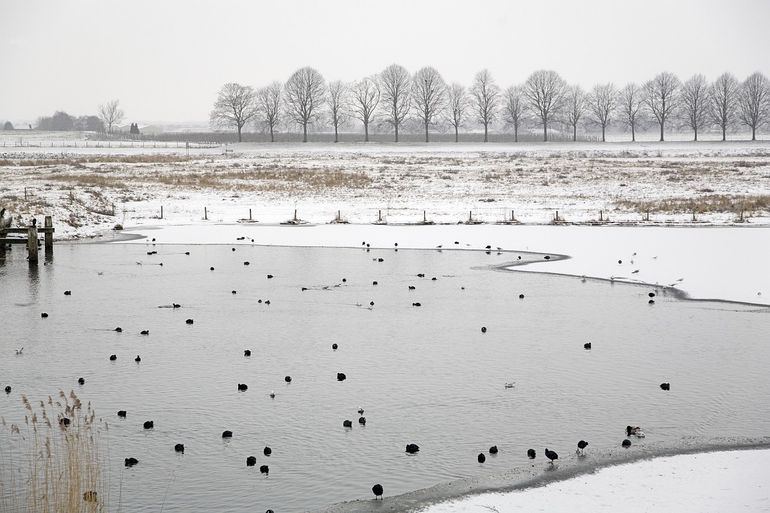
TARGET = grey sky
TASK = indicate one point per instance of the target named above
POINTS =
(165, 60)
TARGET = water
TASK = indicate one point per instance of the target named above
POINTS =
(423, 374)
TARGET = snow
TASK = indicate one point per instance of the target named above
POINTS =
(735, 481)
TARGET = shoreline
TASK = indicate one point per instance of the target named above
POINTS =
(519, 479)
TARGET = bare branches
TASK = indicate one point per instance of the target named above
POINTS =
(365, 98)
(304, 94)
(395, 87)
(268, 101)
(514, 108)
(695, 102)
(575, 105)
(602, 103)
(235, 106)
(661, 96)
(110, 114)
(457, 105)
(337, 100)
(428, 95)
(485, 94)
(545, 90)
(754, 102)
(724, 101)
(631, 99)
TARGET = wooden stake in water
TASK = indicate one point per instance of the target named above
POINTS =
(48, 223)
(32, 244)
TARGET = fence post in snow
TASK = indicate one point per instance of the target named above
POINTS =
(205, 214)
(161, 211)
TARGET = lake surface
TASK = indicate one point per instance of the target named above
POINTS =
(426, 375)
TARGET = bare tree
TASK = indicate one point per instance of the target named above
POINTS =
(514, 108)
(269, 107)
(304, 93)
(485, 95)
(110, 114)
(661, 96)
(365, 97)
(396, 86)
(754, 102)
(724, 101)
(337, 101)
(428, 96)
(631, 99)
(695, 102)
(545, 90)
(575, 105)
(235, 106)
(602, 103)
(457, 105)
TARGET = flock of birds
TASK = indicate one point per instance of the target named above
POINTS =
(411, 448)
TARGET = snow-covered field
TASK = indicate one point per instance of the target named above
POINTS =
(443, 183)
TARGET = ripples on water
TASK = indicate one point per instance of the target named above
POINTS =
(423, 374)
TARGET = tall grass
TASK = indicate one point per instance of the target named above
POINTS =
(54, 465)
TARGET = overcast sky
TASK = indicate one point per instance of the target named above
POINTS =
(165, 60)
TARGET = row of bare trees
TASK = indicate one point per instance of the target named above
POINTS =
(394, 96)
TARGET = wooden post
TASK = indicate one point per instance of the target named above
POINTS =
(557, 215)
(295, 214)
(48, 223)
(512, 217)
(470, 216)
(424, 217)
(32, 244)
(648, 216)
(161, 211)
(601, 216)
(249, 214)
(205, 214)
(339, 215)
(693, 216)
(379, 216)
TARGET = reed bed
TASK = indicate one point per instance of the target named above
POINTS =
(54, 461)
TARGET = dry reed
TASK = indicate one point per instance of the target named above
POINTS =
(54, 464)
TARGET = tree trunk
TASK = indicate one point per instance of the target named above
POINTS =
(336, 138)
(661, 131)
(396, 125)
(633, 133)
(753, 133)
(366, 131)
(457, 134)
(239, 134)
(272, 137)
(545, 130)
(486, 139)
(304, 132)
(426, 131)
(603, 129)
(516, 132)
(695, 130)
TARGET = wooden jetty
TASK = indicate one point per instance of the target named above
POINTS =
(31, 239)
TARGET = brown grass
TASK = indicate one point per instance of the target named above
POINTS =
(60, 469)
(708, 203)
